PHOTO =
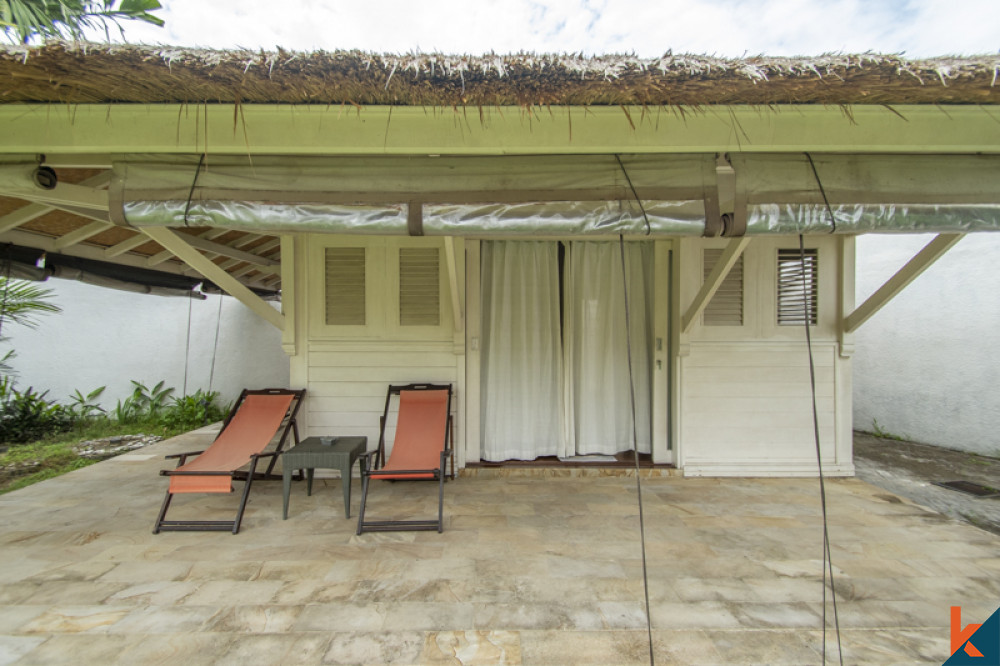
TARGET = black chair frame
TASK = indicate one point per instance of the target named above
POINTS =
(288, 425)
(378, 456)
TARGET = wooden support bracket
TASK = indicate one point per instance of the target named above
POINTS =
(174, 242)
(904, 276)
(714, 280)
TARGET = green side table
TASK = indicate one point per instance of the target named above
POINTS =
(311, 453)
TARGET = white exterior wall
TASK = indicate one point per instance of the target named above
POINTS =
(741, 398)
(106, 337)
(744, 405)
(926, 365)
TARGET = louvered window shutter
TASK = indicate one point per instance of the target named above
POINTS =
(798, 286)
(419, 286)
(345, 286)
(726, 306)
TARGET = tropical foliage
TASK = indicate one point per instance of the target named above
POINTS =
(39, 438)
(25, 20)
(29, 415)
(21, 302)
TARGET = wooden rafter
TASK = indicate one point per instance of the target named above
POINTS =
(126, 245)
(187, 253)
(81, 234)
(33, 211)
(64, 194)
(160, 257)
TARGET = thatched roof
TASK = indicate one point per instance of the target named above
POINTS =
(62, 73)
(89, 73)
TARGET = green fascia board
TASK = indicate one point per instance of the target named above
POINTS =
(380, 130)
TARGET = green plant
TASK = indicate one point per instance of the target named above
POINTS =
(23, 20)
(85, 406)
(21, 302)
(56, 453)
(126, 411)
(150, 401)
(194, 411)
(27, 415)
(878, 431)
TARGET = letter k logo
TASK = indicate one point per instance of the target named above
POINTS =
(960, 636)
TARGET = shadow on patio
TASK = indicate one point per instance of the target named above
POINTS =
(537, 569)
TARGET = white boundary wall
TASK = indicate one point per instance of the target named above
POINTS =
(108, 337)
(927, 366)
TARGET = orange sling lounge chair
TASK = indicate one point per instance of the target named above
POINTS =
(419, 451)
(255, 419)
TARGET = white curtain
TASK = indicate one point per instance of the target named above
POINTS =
(598, 413)
(522, 360)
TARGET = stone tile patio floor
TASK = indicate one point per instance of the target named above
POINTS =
(539, 569)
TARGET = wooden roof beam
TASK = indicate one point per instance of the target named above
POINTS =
(903, 277)
(81, 234)
(261, 249)
(33, 211)
(160, 257)
(287, 129)
(47, 243)
(187, 253)
(126, 245)
(64, 194)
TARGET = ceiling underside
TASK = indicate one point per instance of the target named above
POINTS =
(141, 263)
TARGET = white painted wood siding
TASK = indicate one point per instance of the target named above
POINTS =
(347, 370)
(744, 404)
(747, 408)
(347, 382)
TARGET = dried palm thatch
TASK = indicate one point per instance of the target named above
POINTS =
(88, 73)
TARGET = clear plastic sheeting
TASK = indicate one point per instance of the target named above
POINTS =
(264, 217)
(871, 218)
(369, 195)
(666, 218)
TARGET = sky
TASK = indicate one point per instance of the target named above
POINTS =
(646, 28)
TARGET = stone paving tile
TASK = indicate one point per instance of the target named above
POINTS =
(78, 649)
(13, 648)
(552, 648)
(361, 647)
(96, 619)
(167, 648)
(275, 649)
(531, 569)
(684, 646)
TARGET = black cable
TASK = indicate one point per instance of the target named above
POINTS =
(827, 556)
(6, 288)
(635, 449)
(829, 210)
(187, 347)
(215, 348)
(197, 171)
(634, 193)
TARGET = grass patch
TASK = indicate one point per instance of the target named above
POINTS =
(24, 464)
(42, 435)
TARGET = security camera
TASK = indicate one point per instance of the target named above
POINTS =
(45, 178)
